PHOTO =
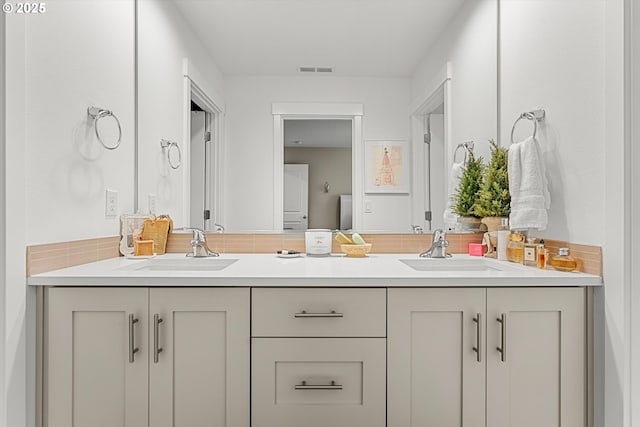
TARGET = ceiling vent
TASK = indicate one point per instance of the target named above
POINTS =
(315, 70)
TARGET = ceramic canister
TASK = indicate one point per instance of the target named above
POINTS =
(318, 242)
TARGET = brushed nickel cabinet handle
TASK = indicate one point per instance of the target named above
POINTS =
(304, 313)
(132, 344)
(156, 338)
(304, 386)
(503, 337)
(478, 323)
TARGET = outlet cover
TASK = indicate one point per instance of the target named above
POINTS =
(368, 206)
(152, 201)
(111, 204)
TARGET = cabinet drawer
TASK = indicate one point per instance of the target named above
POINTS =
(318, 382)
(319, 312)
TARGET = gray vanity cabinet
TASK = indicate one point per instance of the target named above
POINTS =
(529, 341)
(93, 375)
(135, 357)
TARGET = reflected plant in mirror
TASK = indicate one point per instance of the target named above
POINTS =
(228, 58)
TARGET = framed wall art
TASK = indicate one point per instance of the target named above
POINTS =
(386, 166)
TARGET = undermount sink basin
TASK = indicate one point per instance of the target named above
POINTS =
(449, 264)
(184, 264)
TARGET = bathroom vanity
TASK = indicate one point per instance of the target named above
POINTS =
(254, 340)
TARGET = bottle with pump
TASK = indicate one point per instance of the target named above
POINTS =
(503, 239)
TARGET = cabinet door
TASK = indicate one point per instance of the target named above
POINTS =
(538, 377)
(93, 376)
(435, 375)
(201, 376)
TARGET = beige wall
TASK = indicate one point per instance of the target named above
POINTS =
(332, 165)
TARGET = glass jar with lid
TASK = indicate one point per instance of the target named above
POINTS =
(563, 261)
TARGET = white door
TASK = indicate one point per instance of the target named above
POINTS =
(538, 376)
(296, 197)
(94, 377)
(197, 170)
(436, 358)
(199, 357)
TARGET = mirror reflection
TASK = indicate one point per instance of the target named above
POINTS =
(424, 72)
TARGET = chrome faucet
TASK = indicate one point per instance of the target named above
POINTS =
(438, 246)
(199, 248)
(417, 229)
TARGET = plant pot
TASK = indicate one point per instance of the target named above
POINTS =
(469, 223)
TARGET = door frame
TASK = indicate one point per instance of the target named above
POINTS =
(196, 88)
(282, 111)
(438, 89)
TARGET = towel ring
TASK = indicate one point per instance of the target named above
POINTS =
(534, 116)
(168, 145)
(96, 114)
(467, 146)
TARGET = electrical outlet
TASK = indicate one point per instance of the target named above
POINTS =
(111, 203)
(368, 206)
(152, 199)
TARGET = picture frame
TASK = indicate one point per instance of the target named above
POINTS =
(387, 166)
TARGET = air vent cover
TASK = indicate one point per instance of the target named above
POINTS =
(315, 69)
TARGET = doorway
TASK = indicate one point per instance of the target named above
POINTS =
(317, 174)
(202, 179)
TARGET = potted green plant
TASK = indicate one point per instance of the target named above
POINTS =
(494, 201)
(466, 195)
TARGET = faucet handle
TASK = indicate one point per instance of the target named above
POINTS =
(439, 235)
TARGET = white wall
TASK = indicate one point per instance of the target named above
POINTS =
(164, 40)
(77, 54)
(574, 70)
(563, 72)
(248, 202)
(470, 44)
(3, 217)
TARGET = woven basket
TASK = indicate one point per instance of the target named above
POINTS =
(356, 251)
(157, 229)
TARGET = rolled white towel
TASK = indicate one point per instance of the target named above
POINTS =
(528, 186)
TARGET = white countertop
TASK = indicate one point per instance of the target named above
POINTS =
(375, 270)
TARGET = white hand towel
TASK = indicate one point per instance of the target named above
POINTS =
(449, 216)
(527, 186)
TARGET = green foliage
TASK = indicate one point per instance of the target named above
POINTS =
(467, 193)
(494, 198)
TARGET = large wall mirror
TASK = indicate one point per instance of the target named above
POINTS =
(212, 73)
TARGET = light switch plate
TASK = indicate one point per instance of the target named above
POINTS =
(111, 203)
(368, 206)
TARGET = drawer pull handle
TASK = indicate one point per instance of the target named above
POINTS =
(304, 386)
(156, 338)
(332, 313)
(478, 323)
(503, 337)
(132, 340)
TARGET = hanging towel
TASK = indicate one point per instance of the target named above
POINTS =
(528, 186)
(449, 216)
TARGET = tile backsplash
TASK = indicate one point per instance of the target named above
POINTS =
(48, 257)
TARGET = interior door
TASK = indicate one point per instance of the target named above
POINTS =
(296, 197)
(197, 169)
